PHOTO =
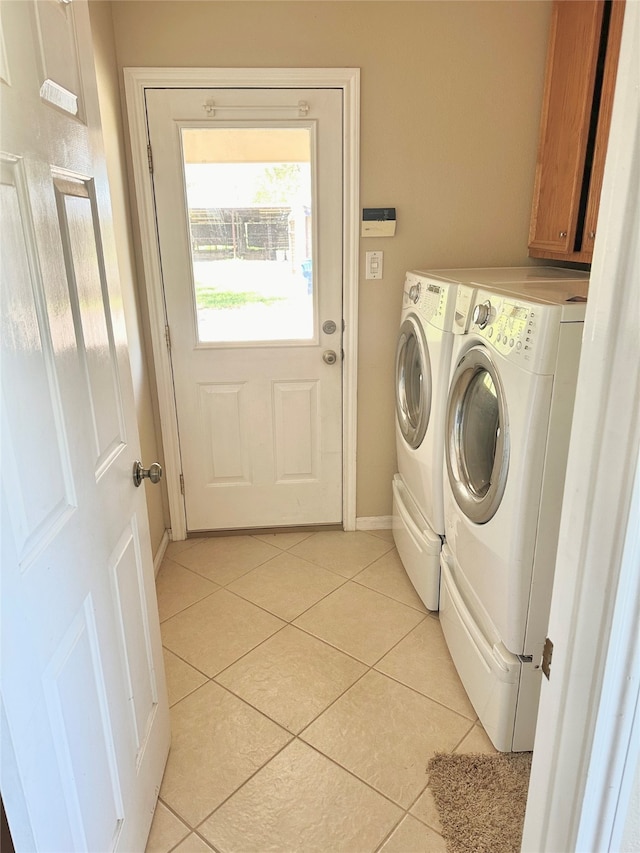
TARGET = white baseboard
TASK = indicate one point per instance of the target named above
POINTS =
(159, 556)
(374, 522)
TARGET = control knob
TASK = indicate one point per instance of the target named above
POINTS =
(482, 314)
(414, 293)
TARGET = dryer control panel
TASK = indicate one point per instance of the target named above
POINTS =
(433, 300)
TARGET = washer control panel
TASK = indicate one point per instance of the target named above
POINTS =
(512, 328)
(517, 329)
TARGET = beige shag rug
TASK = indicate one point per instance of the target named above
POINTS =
(481, 800)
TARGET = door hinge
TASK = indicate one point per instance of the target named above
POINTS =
(547, 654)
(167, 336)
(182, 484)
(150, 158)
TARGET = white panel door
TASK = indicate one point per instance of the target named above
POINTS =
(248, 193)
(84, 713)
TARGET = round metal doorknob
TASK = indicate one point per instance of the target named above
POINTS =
(329, 356)
(153, 473)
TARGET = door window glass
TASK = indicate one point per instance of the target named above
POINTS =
(249, 207)
(480, 432)
(413, 383)
(477, 425)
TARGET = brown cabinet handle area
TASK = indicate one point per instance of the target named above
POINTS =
(580, 76)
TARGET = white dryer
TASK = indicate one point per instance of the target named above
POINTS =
(508, 423)
(423, 362)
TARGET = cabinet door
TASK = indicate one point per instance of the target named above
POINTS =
(604, 123)
(568, 94)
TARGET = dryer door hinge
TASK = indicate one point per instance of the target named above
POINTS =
(167, 336)
(547, 654)
(150, 158)
(182, 484)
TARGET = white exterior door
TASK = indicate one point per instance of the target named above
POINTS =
(248, 194)
(84, 714)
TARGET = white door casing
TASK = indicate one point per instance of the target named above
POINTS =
(84, 712)
(347, 80)
(258, 408)
(586, 752)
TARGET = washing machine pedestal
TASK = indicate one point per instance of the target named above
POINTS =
(503, 688)
(418, 546)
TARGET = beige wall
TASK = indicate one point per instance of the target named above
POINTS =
(451, 96)
(111, 115)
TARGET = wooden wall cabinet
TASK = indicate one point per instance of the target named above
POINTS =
(582, 61)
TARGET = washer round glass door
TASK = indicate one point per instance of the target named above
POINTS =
(477, 452)
(413, 382)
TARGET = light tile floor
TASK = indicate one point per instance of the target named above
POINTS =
(309, 688)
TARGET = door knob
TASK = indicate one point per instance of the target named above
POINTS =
(329, 356)
(153, 473)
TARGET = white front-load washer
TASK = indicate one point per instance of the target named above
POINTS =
(423, 361)
(508, 422)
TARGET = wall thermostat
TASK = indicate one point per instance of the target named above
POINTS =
(378, 222)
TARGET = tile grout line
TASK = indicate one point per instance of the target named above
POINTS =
(242, 785)
(257, 565)
(175, 654)
(424, 695)
(466, 735)
(302, 612)
(404, 809)
(188, 606)
(172, 811)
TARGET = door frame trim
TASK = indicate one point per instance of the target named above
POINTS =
(136, 81)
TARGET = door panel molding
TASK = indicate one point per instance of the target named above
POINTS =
(137, 80)
(78, 655)
(227, 460)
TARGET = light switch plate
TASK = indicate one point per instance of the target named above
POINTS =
(373, 265)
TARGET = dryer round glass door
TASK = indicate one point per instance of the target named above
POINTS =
(413, 382)
(477, 450)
